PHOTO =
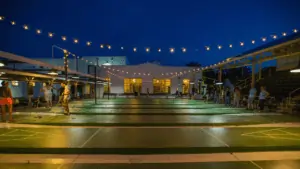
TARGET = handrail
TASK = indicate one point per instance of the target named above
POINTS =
(290, 94)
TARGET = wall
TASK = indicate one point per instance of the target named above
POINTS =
(147, 72)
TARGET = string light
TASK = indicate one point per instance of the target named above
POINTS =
(264, 39)
(101, 46)
(283, 34)
(50, 34)
(242, 43)
(253, 41)
(219, 47)
(1, 18)
(274, 37)
(159, 50)
(172, 50)
(75, 40)
(230, 45)
(63, 38)
(13, 22)
(88, 43)
(147, 50)
(295, 30)
(108, 46)
(25, 27)
(38, 31)
(122, 48)
(207, 48)
(183, 50)
(134, 49)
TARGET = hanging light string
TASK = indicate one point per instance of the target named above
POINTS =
(146, 49)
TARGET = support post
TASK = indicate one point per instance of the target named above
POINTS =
(220, 74)
(95, 90)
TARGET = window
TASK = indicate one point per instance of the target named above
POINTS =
(132, 85)
(161, 85)
(107, 85)
(186, 86)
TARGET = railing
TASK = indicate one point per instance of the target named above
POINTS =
(290, 94)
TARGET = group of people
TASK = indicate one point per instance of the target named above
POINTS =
(6, 98)
(64, 96)
(233, 97)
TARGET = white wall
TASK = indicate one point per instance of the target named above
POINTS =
(154, 70)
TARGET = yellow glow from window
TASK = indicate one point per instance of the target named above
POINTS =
(161, 85)
(132, 85)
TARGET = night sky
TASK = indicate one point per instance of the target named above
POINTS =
(192, 24)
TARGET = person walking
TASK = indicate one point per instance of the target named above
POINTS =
(262, 98)
(65, 98)
(6, 99)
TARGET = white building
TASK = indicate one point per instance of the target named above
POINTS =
(123, 79)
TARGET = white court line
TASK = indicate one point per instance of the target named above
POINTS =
(90, 138)
(218, 139)
(256, 165)
(262, 131)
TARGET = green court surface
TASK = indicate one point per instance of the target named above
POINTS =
(216, 165)
(147, 140)
(149, 112)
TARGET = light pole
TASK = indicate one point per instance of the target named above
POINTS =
(66, 64)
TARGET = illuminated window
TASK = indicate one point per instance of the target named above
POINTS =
(107, 86)
(161, 85)
(132, 85)
(185, 86)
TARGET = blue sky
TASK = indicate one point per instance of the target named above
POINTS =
(192, 24)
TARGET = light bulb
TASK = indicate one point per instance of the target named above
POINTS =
(253, 41)
(295, 30)
(1, 18)
(38, 31)
(122, 48)
(13, 22)
(147, 49)
(172, 50)
(264, 39)
(159, 50)
(50, 34)
(101, 46)
(274, 37)
(230, 45)
(283, 34)
(207, 48)
(75, 40)
(242, 43)
(108, 46)
(63, 38)
(220, 47)
(88, 43)
(25, 27)
(183, 49)
(134, 49)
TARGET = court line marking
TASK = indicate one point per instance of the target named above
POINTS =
(256, 165)
(215, 137)
(263, 131)
(90, 138)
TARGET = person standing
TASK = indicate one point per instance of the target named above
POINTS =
(262, 98)
(47, 89)
(6, 100)
(236, 97)
(251, 98)
(65, 98)
(227, 97)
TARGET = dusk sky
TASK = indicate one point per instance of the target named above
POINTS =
(192, 24)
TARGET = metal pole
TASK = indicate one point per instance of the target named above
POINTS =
(66, 64)
(95, 90)
(108, 88)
